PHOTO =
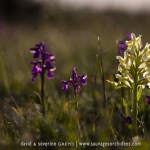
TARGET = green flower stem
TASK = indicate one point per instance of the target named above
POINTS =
(102, 75)
(42, 93)
(77, 115)
(134, 109)
(134, 103)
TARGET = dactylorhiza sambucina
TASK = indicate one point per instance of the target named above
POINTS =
(43, 63)
(134, 67)
(76, 81)
(134, 71)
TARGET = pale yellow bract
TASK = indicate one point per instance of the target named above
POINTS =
(134, 67)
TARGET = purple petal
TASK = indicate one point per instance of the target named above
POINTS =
(84, 76)
(39, 70)
(49, 65)
(50, 75)
(83, 82)
(74, 73)
(33, 78)
(128, 35)
(37, 54)
(36, 70)
(122, 48)
(128, 120)
(52, 57)
(41, 44)
(122, 45)
(33, 50)
(78, 91)
(76, 84)
(71, 81)
(63, 81)
(65, 87)
(53, 68)
(74, 68)
(148, 99)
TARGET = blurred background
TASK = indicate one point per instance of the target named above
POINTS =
(69, 29)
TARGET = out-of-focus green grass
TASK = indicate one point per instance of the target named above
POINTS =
(72, 36)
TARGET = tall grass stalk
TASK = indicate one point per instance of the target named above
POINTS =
(95, 104)
(77, 115)
(102, 74)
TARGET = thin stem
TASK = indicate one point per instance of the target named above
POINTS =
(42, 92)
(77, 112)
(134, 105)
(102, 74)
(122, 92)
(95, 104)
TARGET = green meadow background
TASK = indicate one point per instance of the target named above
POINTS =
(72, 36)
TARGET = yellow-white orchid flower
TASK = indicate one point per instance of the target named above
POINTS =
(134, 65)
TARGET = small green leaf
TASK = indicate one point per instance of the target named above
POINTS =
(132, 70)
(139, 93)
(17, 111)
(126, 107)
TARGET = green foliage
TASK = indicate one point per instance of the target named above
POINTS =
(139, 94)
(73, 38)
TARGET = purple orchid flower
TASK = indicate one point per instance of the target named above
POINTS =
(76, 81)
(122, 44)
(128, 120)
(42, 64)
(125, 119)
(35, 70)
(148, 100)
(37, 51)
(45, 63)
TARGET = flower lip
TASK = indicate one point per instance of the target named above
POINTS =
(84, 76)
(53, 69)
(36, 70)
(49, 56)
(33, 78)
(52, 57)
(83, 82)
(65, 87)
(50, 75)
(33, 50)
